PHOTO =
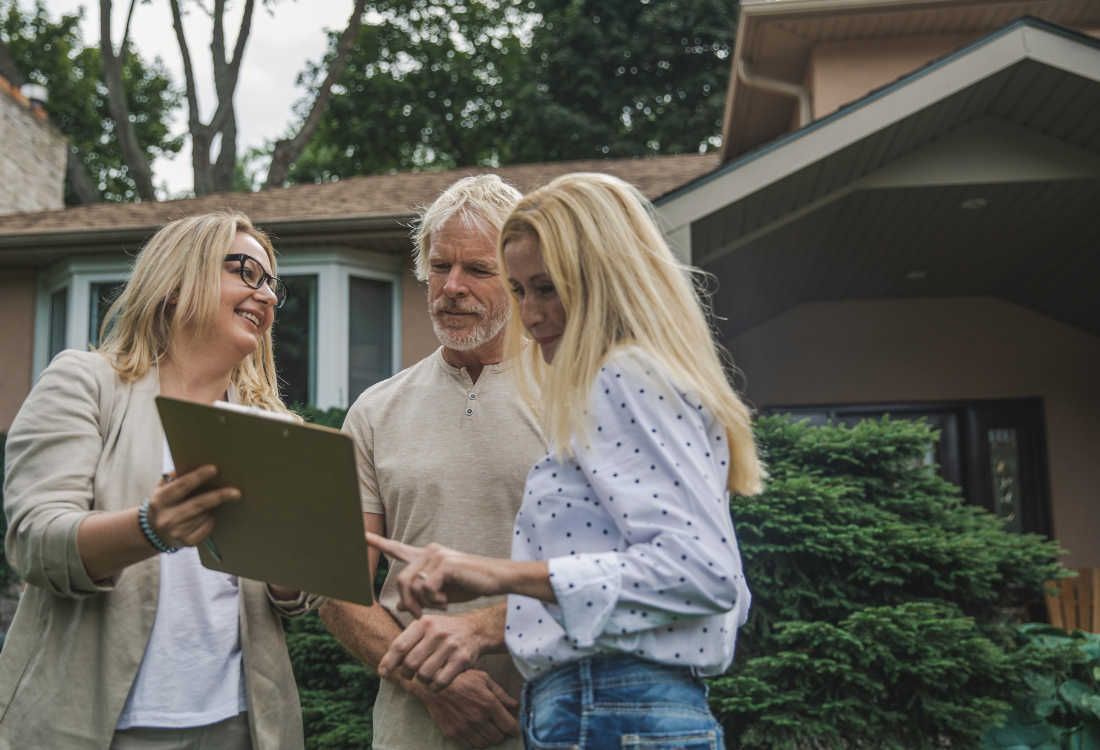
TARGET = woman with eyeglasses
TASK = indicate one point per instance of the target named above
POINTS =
(625, 584)
(122, 639)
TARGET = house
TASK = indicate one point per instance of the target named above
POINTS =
(902, 220)
(906, 222)
(355, 313)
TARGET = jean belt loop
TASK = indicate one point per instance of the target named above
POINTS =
(587, 689)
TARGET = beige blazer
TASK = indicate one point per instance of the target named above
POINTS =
(84, 442)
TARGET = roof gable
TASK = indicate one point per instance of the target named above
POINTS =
(1031, 73)
(778, 39)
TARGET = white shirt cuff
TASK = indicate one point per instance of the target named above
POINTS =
(587, 587)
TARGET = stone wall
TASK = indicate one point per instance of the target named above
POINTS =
(32, 156)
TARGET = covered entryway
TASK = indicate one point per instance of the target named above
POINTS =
(931, 248)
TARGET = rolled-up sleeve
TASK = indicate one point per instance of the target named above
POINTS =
(656, 461)
(297, 607)
(51, 455)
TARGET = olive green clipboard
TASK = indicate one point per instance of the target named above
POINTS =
(299, 522)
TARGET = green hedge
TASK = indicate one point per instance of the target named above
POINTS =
(882, 602)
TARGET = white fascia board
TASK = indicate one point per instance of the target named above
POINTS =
(1059, 51)
(880, 111)
(986, 151)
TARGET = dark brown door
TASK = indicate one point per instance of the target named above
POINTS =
(995, 451)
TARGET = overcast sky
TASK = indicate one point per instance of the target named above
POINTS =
(280, 43)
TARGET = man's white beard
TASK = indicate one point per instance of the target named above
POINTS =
(462, 339)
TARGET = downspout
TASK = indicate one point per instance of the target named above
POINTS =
(805, 104)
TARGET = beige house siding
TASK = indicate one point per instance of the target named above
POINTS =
(16, 341)
(946, 349)
(838, 73)
(417, 337)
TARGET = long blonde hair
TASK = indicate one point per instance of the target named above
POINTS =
(620, 285)
(184, 260)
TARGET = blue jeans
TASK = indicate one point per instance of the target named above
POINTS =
(618, 701)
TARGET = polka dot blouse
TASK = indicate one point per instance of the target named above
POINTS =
(637, 531)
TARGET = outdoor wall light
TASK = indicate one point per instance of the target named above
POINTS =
(915, 276)
(973, 203)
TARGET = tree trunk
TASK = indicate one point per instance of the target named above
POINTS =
(288, 151)
(225, 168)
(76, 174)
(132, 154)
(212, 178)
(226, 165)
(200, 161)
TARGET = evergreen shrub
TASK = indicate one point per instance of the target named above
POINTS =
(881, 600)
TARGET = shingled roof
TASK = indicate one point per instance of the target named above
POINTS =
(358, 206)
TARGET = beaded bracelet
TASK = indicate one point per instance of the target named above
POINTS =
(150, 535)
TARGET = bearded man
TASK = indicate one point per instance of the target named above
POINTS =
(443, 449)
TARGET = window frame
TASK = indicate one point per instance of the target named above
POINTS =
(333, 267)
(78, 274)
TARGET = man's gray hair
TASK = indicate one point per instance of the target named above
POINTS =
(480, 202)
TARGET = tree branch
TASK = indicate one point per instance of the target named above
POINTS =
(288, 151)
(193, 121)
(232, 73)
(126, 32)
(135, 159)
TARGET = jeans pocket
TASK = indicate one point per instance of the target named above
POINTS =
(553, 722)
(692, 740)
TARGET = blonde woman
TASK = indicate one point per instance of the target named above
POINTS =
(122, 639)
(625, 580)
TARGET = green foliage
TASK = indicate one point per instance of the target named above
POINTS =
(333, 417)
(7, 575)
(1059, 712)
(879, 597)
(432, 84)
(626, 79)
(337, 692)
(438, 83)
(52, 53)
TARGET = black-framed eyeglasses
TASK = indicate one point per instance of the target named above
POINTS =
(254, 275)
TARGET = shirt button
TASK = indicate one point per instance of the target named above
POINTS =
(469, 412)
(473, 395)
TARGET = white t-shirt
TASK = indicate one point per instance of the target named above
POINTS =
(191, 674)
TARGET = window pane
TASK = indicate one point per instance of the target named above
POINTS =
(295, 336)
(102, 296)
(1004, 470)
(370, 345)
(59, 314)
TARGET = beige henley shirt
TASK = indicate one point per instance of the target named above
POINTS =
(445, 460)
